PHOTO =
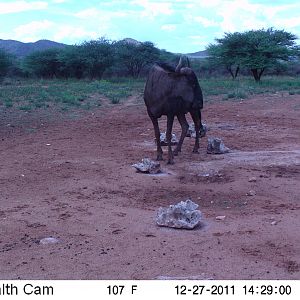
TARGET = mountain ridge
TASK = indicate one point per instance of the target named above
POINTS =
(20, 49)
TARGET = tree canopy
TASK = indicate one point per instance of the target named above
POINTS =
(135, 56)
(5, 62)
(43, 63)
(98, 56)
(254, 49)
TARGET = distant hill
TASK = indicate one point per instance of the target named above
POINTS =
(131, 41)
(199, 54)
(21, 50)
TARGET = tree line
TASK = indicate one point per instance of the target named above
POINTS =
(91, 59)
(256, 52)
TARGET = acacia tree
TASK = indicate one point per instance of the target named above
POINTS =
(43, 63)
(227, 53)
(263, 49)
(98, 56)
(256, 50)
(73, 62)
(5, 62)
(135, 56)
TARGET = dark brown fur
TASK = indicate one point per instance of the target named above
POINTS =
(172, 93)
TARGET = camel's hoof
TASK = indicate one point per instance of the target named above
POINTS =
(195, 151)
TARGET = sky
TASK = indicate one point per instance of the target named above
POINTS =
(178, 26)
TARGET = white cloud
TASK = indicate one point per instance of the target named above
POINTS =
(198, 40)
(240, 15)
(46, 29)
(32, 31)
(205, 22)
(93, 12)
(196, 37)
(59, 1)
(20, 6)
(154, 8)
(288, 23)
(67, 32)
(169, 27)
(87, 13)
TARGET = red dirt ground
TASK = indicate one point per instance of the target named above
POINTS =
(72, 179)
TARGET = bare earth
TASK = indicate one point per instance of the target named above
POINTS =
(71, 179)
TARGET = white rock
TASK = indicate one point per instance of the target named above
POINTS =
(252, 179)
(163, 139)
(216, 146)
(182, 215)
(220, 218)
(192, 132)
(251, 193)
(275, 222)
(48, 240)
(148, 166)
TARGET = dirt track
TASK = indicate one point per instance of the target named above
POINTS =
(73, 180)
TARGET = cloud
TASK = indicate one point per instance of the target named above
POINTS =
(205, 22)
(21, 6)
(68, 32)
(289, 23)
(154, 8)
(240, 15)
(198, 40)
(169, 27)
(46, 29)
(32, 31)
(98, 13)
(87, 13)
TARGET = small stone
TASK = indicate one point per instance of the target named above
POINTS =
(192, 132)
(182, 215)
(48, 240)
(148, 166)
(48, 144)
(216, 146)
(252, 179)
(163, 139)
(275, 222)
(220, 218)
(251, 193)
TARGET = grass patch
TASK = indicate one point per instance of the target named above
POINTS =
(32, 94)
(25, 107)
(66, 94)
(243, 87)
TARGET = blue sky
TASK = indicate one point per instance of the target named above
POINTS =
(177, 26)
